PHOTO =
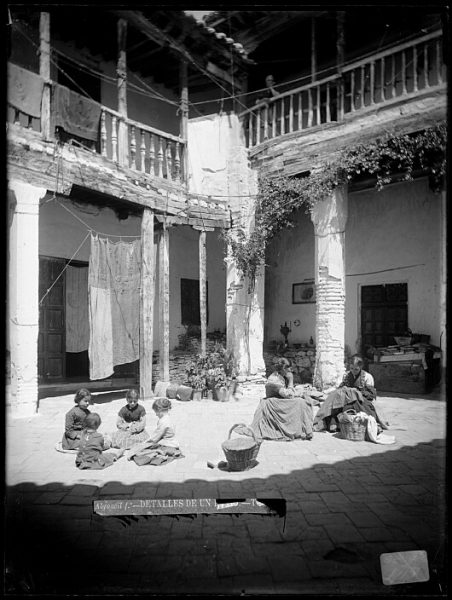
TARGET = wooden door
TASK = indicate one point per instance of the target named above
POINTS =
(384, 314)
(52, 342)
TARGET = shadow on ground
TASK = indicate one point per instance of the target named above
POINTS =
(340, 518)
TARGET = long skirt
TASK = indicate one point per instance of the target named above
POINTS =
(124, 440)
(106, 459)
(153, 454)
(342, 399)
(283, 419)
(68, 443)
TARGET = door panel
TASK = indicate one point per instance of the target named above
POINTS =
(51, 345)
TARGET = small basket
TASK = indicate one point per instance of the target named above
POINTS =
(354, 431)
(241, 452)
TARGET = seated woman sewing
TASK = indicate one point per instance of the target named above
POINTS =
(284, 414)
(357, 391)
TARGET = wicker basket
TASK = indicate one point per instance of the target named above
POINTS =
(353, 430)
(241, 452)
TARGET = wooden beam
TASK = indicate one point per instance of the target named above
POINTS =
(163, 242)
(202, 291)
(123, 138)
(313, 50)
(147, 298)
(183, 82)
(44, 71)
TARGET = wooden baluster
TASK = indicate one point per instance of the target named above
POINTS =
(291, 114)
(103, 134)
(352, 91)
(439, 62)
(177, 162)
(160, 158)
(310, 115)
(250, 131)
(151, 155)
(16, 117)
(328, 108)
(427, 83)
(169, 160)
(382, 80)
(266, 123)
(300, 112)
(403, 72)
(415, 86)
(114, 138)
(30, 122)
(393, 76)
(274, 120)
(283, 117)
(362, 86)
(317, 108)
(258, 126)
(340, 98)
(372, 82)
(133, 148)
(143, 152)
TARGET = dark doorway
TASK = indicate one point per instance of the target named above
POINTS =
(189, 296)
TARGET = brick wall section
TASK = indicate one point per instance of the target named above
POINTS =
(330, 327)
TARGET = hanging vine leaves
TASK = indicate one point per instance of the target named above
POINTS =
(279, 197)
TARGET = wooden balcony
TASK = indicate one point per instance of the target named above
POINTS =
(400, 73)
(149, 151)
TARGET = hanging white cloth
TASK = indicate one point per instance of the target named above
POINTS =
(77, 318)
(114, 304)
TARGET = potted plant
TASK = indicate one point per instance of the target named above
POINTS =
(196, 376)
(220, 384)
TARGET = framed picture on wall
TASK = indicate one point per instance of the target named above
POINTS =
(303, 293)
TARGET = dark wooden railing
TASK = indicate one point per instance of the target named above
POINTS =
(403, 71)
(148, 150)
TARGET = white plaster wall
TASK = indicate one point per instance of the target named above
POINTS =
(290, 259)
(60, 234)
(395, 228)
(386, 231)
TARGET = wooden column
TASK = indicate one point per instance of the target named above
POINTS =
(164, 302)
(313, 51)
(183, 78)
(44, 71)
(340, 56)
(147, 298)
(122, 93)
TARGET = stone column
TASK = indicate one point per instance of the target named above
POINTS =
(23, 298)
(443, 292)
(330, 217)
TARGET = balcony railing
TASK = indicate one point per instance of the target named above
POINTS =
(397, 73)
(145, 149)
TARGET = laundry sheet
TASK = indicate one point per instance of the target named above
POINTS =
(77, 314)
(25, 90)
(114, 304)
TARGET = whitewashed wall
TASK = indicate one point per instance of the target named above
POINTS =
(60, 234)
(290, 259)
(392, 236)
(396, 228)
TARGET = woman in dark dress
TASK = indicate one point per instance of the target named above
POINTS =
(357, 391)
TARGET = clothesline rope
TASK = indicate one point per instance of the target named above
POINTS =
(65, 267)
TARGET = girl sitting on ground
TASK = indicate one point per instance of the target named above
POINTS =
(162, 446)
(75, 420)
(91, 453)
(131, 423)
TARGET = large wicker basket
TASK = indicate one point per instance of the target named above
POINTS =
(352, 430)
(241, 452)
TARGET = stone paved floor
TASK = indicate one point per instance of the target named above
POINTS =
(364, 498)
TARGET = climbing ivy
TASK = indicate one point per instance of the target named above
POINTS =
(279, 197)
